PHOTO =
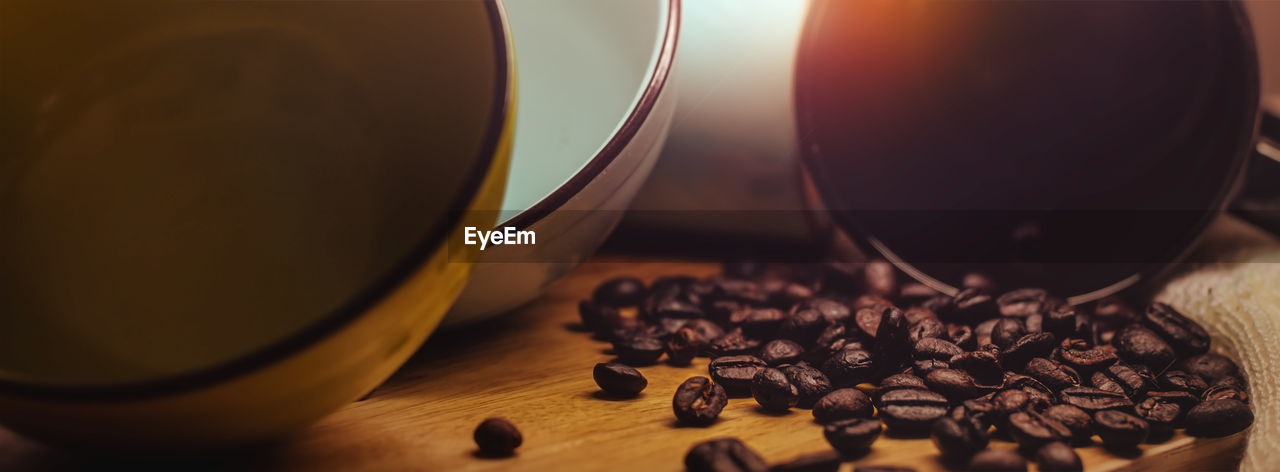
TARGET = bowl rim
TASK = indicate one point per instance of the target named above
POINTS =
(325, 326)
(636, 118)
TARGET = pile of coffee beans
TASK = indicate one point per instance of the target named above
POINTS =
(869, 354)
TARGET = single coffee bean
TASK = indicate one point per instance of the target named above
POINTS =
(1179, 380)
(735, 373)
(1184, 399)
(1161, 415)
(810, 384)
(1007, 402)
(758, 322)
(706, 329)
(1093, 399)
(1078, 421)
(670, 303)
(620, 292)
(781, 351)
(983, 366)
(1007, 331)
(1187, 337)
(804, 326)
(619, 379)
(832, 340)
(852, 437)
(1137, 345)
(772, 390)
(833, 311)
(826, 461)
(982, 333)
(927, 328)
(1224, 392)
(683, 346)
(958, 440)
(917, 314)
(1058, 457)
(980, 411)
(892, 348)
(1218, 418)
(1120, 430)
(898, 382)
(1052, 374)
(1034, 323)
(1026, 348)
(1022, 302)
(866, 321)
(970, 306)
(497, 437)
(849, 367)
(954, 384)
(935, 348)
(1063, 321)
(1083, 356)
(733, 343)
(1122, 379)
(842, 403)
(639, 349)
(723, 455)
(962, 335)
(1032, 430)
(698, 401)
(1209, 367)
(997, 460)
(911, 411)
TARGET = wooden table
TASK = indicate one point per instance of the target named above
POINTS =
(533, 369)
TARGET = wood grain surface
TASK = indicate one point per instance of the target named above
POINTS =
(533, 369)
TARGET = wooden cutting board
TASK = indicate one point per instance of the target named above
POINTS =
(533, 369)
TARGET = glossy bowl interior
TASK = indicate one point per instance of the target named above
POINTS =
(223, 220)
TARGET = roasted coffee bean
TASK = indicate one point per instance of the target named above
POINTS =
(732, 343)
(707, 329)
(982, 333)
(1084, 357)
(739, 290)
(1179, 380)
(970, 306)
(958, 440)
(735, 373)
(758, 322)
(1120, 430)
(928, 328)
(1093, 399)
(911, 411)
(954, 384)
(1052, 374)
(892, 349)
(596, 317)
(1224, 392)
(804, 326)
(620, 292)
(1162, 416)
(934, 348)
(852, 437)
(1137, 345)
(1218, 418)
(810, 384)
(898, 382)
(772, 390)
(684, 345)
(917, 314)
(1026, 348)
(1187, 337)
(866, 321)
(1230, 381)
(997, 460)
(789, 294)
(826, 461)
(497, 437)
(849, 367)
(1184, 399)
(781, 351)
(1006, 402)
(1006, 331)
(698, 401)
(670, 304)
(1030, 384)
(962, 335)
(869, 301)
(1034, 323)
(1114, 313)
(668, 326)
(1210, 367)
(639, 349)
(1032, 430)
(1022, 302)
(1122, 379)
(833, 311)
(982, 365)
(922, 368)
(979, 410)
(723, 455)
(1063, 321)
(842, 403)
(1058, 457)
(1078, 421)
(619, 379)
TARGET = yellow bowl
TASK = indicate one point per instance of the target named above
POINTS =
(220, 221)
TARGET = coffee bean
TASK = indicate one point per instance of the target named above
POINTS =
(619, 379)
(982, 333)
(739, 290)
(1007, 402)
(997, 460)
(670, 303)
(892, 348)
(772, 390)
(1184, 399)
(958, 440)
(842, 403)
(880, 278)
(970, 306)
(698, 401)
(849, 367)
(917, 314)
(732, 343)
(1187, 337)
(810, 384)
(1052, 374)
(1078, 421)
(911, 411)
(922, 368)
(1029, 384)
(867, 300)
(1093, 399)
(1032, 430)
(1120, 430)
(1210, 367)
(898, 382)
(1122, 379)
(1179, 380)
(962, 335)
(954, 384)
(1224, 392)
(934, 348)
(1218, 418)
(1026, 348)
(620, 292)
(1137, 345)
(497, 437)
(1034, 323)
(984, 366)
(804, 326)
(852, 437)
(866, 321)
(1058, 457)
(980, 411)
(706, 329)
(735, 373)
(683, 346)
(781, 351)
(1231, 381)
(758, 322)
(1162, 416)
(831, 310)
(1083, 356)
(1006, 331)
(1063, 321)
(827, 461)
(639, 349)
(1022, 302)
(596, 317)
(723, 455)
(928, 328)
